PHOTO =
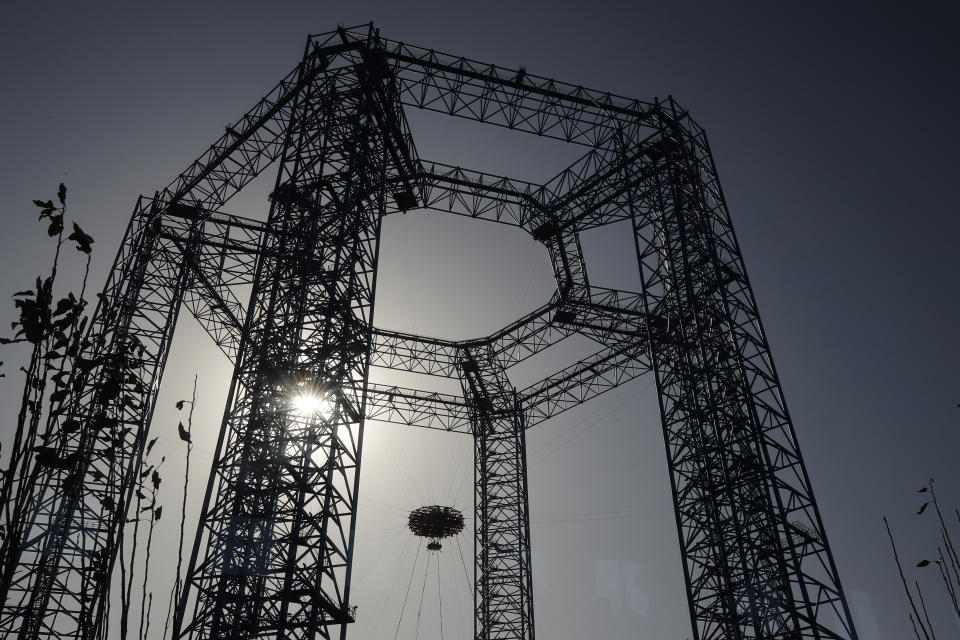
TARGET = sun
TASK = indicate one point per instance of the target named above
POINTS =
(310, 405)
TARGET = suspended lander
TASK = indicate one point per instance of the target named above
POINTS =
(435, 523)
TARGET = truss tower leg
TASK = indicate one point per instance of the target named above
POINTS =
(503, 593)
(756, 560)
(274, 548)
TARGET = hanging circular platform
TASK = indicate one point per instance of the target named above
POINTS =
(435, 522)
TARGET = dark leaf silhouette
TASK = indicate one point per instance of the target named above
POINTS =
(923, 508)
(44, 205)
(56, 225)
(157, 513)
(104, 422)
(180, 404)
(34, 312)
(923, 563)
(60, 340)
(924, 490)
(184, 434)
(155, 479)
(110, 389)
(65, 305)
(150, 445)
(62, 194)
(50, 457)
(84, 365)
(82, 239)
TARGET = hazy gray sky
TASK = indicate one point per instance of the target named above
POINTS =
(834, 131)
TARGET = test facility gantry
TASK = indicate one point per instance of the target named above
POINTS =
(274, 545)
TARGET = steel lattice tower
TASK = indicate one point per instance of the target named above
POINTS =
(274, 547)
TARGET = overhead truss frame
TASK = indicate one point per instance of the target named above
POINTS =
(755, 556)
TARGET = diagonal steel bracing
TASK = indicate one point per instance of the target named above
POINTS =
(756, 559)
(503, 592)
(64, 524)
(290, 303)
(273, 553)
(64, 520)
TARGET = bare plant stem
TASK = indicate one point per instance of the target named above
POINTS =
(906, 588)
(923, 605)
(948, 582)
(177, 583)
(17, 447)
(914, 624)
(144, 612)
(146, 631)
(124, 597)
(944, 532)
(127, 589)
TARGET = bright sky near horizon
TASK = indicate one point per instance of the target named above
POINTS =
(834, 131)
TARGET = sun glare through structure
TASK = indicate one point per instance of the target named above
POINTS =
(310, 405)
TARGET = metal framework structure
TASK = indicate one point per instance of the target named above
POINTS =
(290, 302)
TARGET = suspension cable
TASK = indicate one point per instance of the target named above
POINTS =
(439, 599)
(463, 563)
(422, 591)
(412, 572)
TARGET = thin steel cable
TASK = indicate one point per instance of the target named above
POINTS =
(404, 463)
(457, 603)
(463, 563)
(401, 471)
(422, 592)
(576, 430)
(465, 452)
(360, 575)
(380, 605)
(405, 241)
(427, 460)
(439, 599)
(412, 572)
(452, 489)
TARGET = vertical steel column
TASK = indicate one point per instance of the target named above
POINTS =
(64, 522)
(276, 532)
(503, 595)
(756, 560)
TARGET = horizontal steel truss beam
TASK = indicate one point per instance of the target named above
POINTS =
(63, 586)
(603, 122)
(223, 256)
(495, 95)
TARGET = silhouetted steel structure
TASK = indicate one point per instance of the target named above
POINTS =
(273, 551)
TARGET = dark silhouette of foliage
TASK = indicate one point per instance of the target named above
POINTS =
(56, 333)
(64, 359)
